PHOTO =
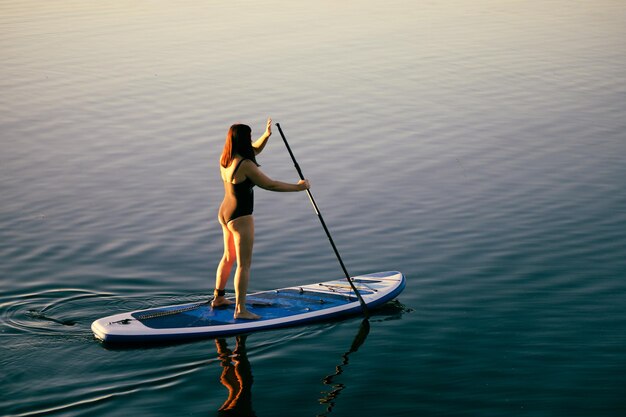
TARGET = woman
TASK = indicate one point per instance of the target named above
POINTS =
(240, 173)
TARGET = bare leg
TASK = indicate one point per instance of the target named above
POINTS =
(224, 267)
(242, 229)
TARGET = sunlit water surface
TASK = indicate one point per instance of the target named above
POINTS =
(476, 146)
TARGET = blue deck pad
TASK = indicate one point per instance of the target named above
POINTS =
(269, 305)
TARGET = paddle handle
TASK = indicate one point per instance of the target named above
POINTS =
(319, 216)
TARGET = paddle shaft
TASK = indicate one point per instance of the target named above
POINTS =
(319, 216)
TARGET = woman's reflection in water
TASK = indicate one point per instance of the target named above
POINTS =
(236, 377)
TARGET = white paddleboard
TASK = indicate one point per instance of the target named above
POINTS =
(278, 308)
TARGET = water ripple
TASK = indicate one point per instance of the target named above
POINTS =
(46, 313)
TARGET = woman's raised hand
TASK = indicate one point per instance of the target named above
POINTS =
(268, 128)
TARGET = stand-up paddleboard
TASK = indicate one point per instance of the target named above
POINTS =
(277, 308)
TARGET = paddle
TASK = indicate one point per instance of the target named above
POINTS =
(319, 215)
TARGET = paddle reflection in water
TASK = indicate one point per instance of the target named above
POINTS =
(236, 377)
(336, 388)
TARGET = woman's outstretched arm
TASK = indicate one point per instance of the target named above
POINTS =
(259, 178)
(260, 143)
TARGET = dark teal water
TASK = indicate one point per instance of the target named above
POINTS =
(478, 147)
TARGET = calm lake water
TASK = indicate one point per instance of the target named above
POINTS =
(476, 146)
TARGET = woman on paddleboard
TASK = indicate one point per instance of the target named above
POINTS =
(240, 173)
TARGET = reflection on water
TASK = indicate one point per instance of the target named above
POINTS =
(330, 397)
(236, 377)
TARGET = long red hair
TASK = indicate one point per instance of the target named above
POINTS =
(238, 142)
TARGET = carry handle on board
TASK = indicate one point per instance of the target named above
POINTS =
(319, 216)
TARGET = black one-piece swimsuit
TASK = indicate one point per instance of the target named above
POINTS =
(238, 198)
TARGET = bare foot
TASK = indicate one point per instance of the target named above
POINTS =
(246, 315)
(221, 301)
